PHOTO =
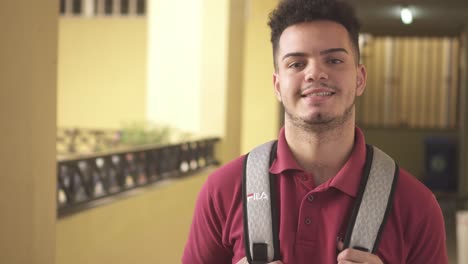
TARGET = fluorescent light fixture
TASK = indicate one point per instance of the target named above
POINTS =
(406, 15)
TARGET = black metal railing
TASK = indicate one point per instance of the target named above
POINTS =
(86, 179)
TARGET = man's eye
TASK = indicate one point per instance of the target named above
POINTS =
(335, 61)
(295, 65)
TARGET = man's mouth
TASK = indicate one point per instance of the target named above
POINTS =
(318, 94)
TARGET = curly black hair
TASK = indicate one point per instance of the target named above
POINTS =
(291, 12)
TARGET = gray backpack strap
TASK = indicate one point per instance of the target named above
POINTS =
(374, 201)
(259, 200)
(371, 208)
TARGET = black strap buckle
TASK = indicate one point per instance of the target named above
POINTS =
(260, 253)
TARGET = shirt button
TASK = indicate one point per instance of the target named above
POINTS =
(310, 198)
(304, 178)
(308, 221)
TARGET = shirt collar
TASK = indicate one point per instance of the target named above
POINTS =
(349, 177)
(346, 180)
(284, 159)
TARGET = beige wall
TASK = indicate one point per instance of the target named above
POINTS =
(260, 109)
(149, 227)
(101, 72)
(406, 146)
(27, 112)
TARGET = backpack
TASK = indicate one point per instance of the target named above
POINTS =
(261, 219)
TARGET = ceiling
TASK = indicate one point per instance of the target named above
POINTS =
(430, 17)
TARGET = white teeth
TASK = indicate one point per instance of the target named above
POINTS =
(321, 94)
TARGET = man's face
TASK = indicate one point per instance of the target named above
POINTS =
(317, 77)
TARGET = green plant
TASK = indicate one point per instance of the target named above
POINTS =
(143, 133)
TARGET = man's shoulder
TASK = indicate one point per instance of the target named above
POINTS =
(413, 199)
(409, 185)
(228, 175)
(418, 216)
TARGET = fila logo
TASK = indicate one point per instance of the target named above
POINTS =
(257, 196)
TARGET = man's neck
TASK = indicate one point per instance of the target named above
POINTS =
(322, 153)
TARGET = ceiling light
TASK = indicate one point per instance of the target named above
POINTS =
(406, 15)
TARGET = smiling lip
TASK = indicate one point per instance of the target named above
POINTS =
(319, 92)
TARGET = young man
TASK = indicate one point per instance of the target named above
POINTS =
(320, 157)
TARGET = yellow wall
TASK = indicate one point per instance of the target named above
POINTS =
(101, 72)
(28, 53)
(230, 147)
(214, 55)
(260, 109)
(149, 227)
(405, 145)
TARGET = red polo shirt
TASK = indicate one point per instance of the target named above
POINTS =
(313, 217)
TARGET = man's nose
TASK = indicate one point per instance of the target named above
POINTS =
(315, 72)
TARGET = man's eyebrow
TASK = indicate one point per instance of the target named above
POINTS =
(323, 52)
(294, 54)
(328, 51)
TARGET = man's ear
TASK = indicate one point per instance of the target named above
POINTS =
(276, 85)
(361, 79)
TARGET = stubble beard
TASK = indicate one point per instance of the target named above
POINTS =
(320, 122)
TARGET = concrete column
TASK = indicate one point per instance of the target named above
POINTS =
(260, 109)
(463, 131)
(214, 66)
(28, 53)
(230, 146)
